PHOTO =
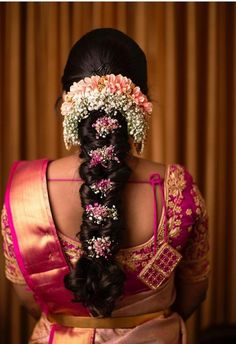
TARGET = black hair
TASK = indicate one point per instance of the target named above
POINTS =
(98, 282)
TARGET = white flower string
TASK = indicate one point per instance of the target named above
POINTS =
(109, 93)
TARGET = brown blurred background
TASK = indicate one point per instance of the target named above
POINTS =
(191, 53)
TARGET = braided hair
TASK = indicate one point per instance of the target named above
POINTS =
(97, 281)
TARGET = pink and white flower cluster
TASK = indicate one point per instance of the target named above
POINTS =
(105, 125)
(98, 213)
(102, 156)
(102, 186)
(99, 247)
(109, 93)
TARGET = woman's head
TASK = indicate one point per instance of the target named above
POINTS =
(105, 51)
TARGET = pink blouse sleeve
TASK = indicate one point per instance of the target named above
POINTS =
(12, 270)
(194, 266)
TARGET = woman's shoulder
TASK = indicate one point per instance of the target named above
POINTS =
(143, 168)
(172, 171)
(64, 167)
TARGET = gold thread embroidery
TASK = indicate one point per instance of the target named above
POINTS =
(160, 266)
(176, 183)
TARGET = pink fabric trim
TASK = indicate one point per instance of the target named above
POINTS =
(13, 232)
(154, 180)
(64, 180)
(52, 333)
(49, 212)
(166, 235)
(92, 337)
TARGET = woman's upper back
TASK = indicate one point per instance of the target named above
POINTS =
(183, 217)
(138, 198)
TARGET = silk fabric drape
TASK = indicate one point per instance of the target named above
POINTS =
(191, 53)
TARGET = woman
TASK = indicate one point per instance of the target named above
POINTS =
(103, 246)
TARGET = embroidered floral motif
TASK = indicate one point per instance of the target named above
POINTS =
(71, 248)
(136, 258)
(4, 218)
(199, 201)
(175, 185)
(189, 212)
(195, 264)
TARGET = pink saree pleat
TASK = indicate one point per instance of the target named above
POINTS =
(45, 267)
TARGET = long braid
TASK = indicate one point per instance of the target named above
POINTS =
(98, 282)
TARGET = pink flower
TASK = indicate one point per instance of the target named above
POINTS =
(102, 186)
(105, 125)
(85, 85)
(102, 156)
(97, 210)
(66, 108)
(98, 213)
(141, 100)
(118, 84)
(148, 107)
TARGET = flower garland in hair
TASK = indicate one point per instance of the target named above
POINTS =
(110, 93)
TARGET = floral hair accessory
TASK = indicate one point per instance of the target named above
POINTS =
(102, 156)
(102, 186)
(98, 213)
(109, 93)
(105, 125)
(99, 247)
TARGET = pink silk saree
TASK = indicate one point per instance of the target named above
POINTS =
(149, 287)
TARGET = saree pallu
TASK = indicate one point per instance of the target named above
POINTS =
(151, 290)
